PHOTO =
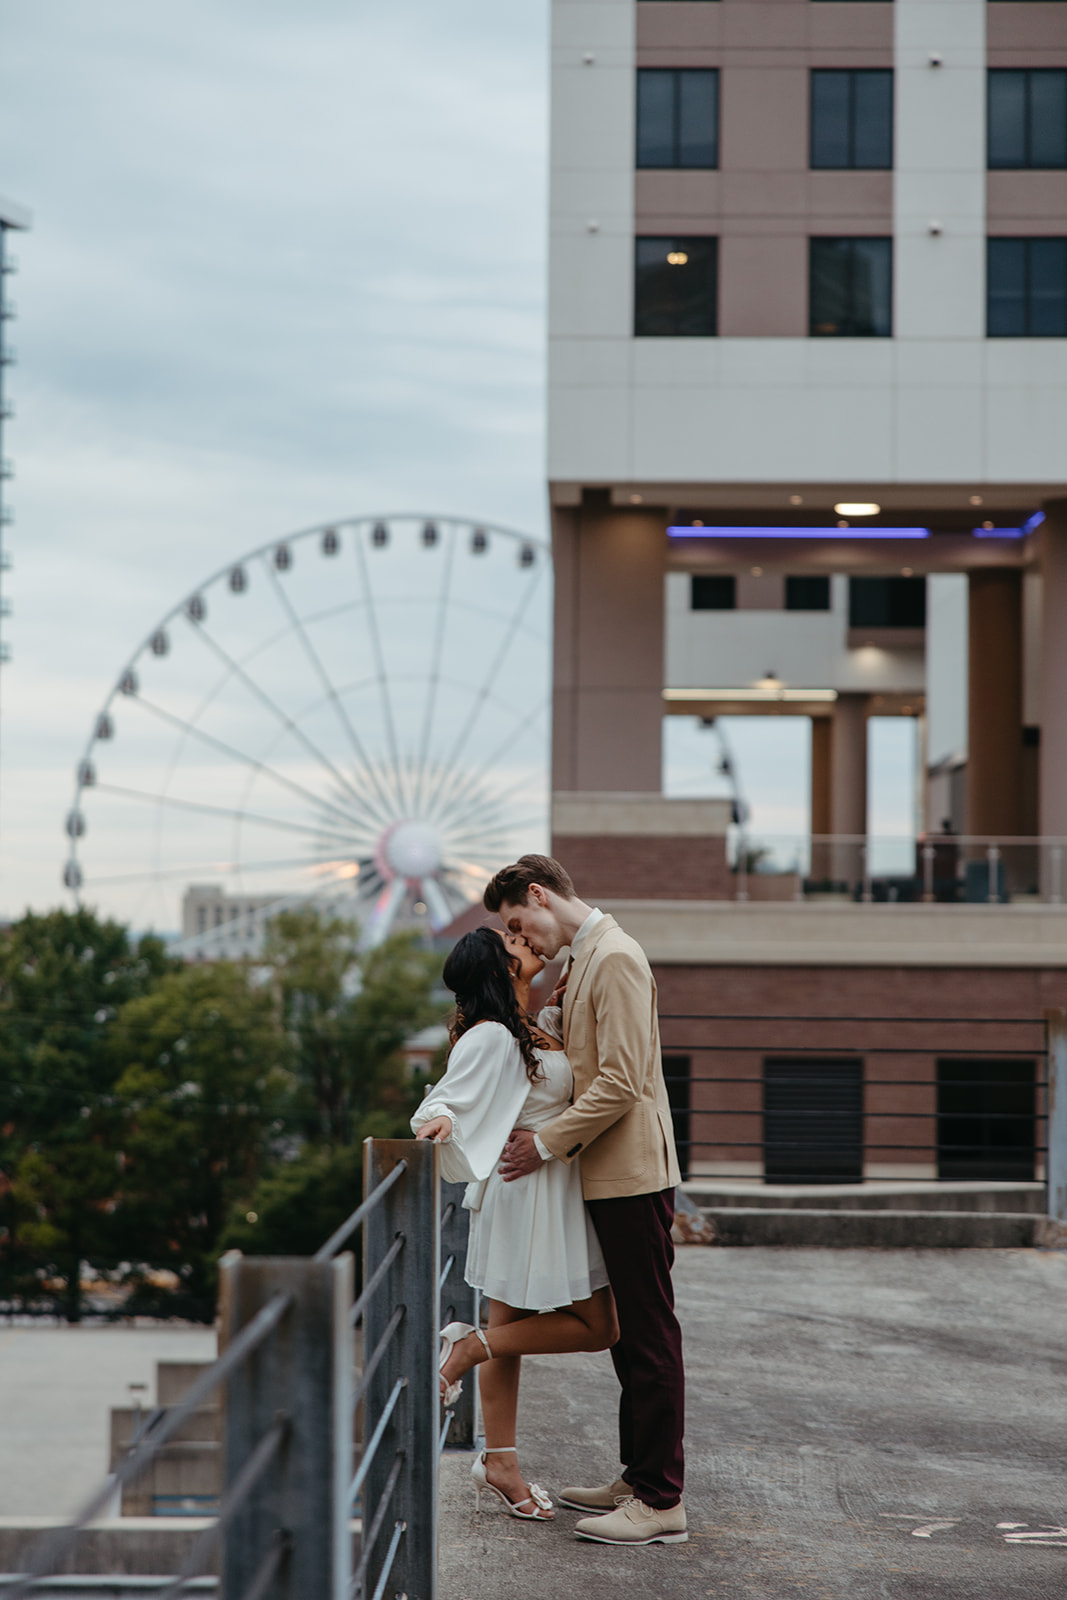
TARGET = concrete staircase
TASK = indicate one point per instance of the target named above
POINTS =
(886, 1216)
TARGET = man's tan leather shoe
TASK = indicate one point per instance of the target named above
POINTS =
(605, 1499)
(632, 1522)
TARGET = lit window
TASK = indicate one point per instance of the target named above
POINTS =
(676, 288)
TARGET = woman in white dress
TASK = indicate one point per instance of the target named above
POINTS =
(532, 1249)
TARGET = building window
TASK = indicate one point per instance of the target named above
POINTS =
(676, 1075)
(852, 119)
(807, 594)
(985, 1120)
(1027, 117)
(851, 288)
(676, 288)
(812, 1121)
(677, 117)
(712, 593)
(1026, 288)
(887, 602)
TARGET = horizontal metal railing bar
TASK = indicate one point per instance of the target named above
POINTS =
(339, 1235)
(264, 1573)
(444, 1431)
(818, 1114)
(371, 1447)
(375, 1278)
(54, 1549)
(888, 1083)
(851, 1016)
(445, 1270)
(240, 1489)
(399, 1530)
(370, 1537)
(865, 1146)
(371, 1364)
(961, 1052)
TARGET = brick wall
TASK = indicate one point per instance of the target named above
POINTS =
(646, 866)
(899, 1021)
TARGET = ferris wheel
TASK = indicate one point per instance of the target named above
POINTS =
(356, 713)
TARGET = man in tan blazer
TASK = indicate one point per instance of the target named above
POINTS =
(620, 1126)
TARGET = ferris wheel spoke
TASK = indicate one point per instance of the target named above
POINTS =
(241, 756)
(359, 795)
(463, 784)
(327, 684)
(202, 807)
(483, 693)
(218, 867)
(383, 683)
(435, 665)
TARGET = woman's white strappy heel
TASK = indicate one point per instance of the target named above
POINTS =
(536, 1497)
(451, 1335)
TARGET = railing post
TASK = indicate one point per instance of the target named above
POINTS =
(1056, 1102)
(459, 1303)
(303, 1374)
(408, 1525)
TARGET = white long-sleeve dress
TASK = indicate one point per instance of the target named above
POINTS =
(531, 1241)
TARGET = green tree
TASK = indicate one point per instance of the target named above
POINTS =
(346, 1015)
(203, 1089)
(63, 977)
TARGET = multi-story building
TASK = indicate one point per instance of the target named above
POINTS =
(808, 418)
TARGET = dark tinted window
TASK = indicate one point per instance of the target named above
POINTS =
(1027, 121)
(677, 117)
(676, 288)
(712, 593)
(852, 119)
(807, 594)
(851, 288)
(887, 602)
(1026, 283)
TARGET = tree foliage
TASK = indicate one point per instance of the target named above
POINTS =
(147, 1107)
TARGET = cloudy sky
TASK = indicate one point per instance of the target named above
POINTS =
(287, 264)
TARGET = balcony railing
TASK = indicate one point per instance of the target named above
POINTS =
(928, 869)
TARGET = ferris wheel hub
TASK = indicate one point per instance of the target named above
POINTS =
(409, 849)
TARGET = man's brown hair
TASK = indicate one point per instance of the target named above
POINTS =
(512, 884)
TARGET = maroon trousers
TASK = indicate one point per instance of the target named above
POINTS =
(635, 1236)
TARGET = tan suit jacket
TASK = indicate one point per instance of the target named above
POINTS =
(620, 1122)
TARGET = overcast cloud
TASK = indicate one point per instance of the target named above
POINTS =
(286, 264)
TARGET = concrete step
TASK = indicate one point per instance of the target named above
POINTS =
(837, 1228)
(97, 1586)
(873, 1196)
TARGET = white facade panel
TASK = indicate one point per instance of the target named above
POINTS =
(806, 649)
(939, 433)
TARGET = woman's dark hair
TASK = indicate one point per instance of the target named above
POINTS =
(478, 971)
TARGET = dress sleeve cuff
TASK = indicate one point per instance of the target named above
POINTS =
(545, 1154)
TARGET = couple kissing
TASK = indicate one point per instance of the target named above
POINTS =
(561, 1129)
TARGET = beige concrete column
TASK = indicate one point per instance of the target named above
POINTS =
(995, 702)
(608, 671)
(1052, 802)
(848, 782)
(821, 744)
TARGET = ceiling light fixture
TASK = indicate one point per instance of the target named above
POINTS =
(857, 508)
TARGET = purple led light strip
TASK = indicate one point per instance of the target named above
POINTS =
(710, 532)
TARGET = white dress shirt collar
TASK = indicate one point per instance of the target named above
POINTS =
(587, 927)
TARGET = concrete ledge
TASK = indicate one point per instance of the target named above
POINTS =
(739, 1226)
(803, 934)
(108, 1586)
(122, 1546)
(1015, 1198)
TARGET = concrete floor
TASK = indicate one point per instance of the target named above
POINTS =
(57, 1387)
(863, 1425)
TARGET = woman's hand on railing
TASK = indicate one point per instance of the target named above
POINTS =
(439, 1130)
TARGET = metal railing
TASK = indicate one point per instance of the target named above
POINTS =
(810, 1099)
(292, 1392)
(935, 868)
